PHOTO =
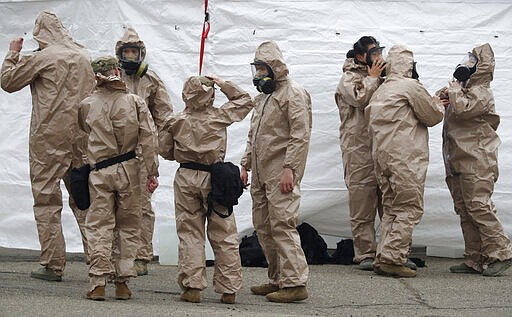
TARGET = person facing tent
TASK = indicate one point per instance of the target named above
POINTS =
(398, 115)
(60, 76)
(197, 139)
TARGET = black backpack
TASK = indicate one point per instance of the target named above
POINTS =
(251, 253)
(227, 187)
(314, 246)
(79, 186)
(344, 253)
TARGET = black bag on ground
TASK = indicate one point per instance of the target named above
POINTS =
(227, 187)
(251, 253)
(344, 253)
(314, 246)
(79, 185)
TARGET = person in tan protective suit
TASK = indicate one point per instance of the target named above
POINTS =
(198, 139)
(470, 148)
(131, 51)
(276, 152)
(359, 81)
(60, 76)
(398, 115)
(117, 123)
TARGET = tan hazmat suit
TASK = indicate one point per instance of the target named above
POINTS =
(151, 88)
(399, 113)
(278, 138)
(60, 76)
(470, 148)
(199, 136)
(117, 122)
(352, 96)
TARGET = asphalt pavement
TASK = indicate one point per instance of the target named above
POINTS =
(335, 290)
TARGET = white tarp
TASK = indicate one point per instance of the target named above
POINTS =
(314, 37)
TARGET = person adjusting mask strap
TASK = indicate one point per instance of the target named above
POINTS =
(466, 68)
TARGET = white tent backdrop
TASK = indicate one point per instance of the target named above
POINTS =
(314, 37)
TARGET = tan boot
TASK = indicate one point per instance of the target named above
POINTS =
(192, 295)
(122, 291)
(288, 294)
(393, 270)
(98, 293)
(264, 289)
(228, 298)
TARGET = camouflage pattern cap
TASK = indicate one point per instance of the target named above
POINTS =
(104, 64)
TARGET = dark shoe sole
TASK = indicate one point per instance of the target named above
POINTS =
(96, 298)
(46, 278)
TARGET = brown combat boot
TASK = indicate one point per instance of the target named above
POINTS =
(264, 289)
(288, 294)
(228, 298)
(393, 270)
(192, 295)
(98, 293)
(122, 291)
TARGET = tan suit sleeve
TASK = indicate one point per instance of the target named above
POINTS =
(299, 121)
(18, 73)
(246, 160)
(147, 137)
(426, 110)
(237, 108)
(473, 102)
(356, 90)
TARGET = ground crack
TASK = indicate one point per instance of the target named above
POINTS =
(416, 294)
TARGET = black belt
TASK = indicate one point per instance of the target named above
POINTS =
(114, 160)
(196, 166)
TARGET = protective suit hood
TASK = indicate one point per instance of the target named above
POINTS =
(48, 30)
(399, 62)
(351, 65)
(269, 53)
(112, 82)
(197, 97)
(131, 37)
(485, 66)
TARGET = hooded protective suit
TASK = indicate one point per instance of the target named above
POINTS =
(60, 76)
(199, 136)
(352, 96)
(278, 138)
(151, 88)
(116, 123)
(399, 113)
(470, 148)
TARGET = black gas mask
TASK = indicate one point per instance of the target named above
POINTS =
(136, 66)
(415, 74)
(263, 77)
(466, 68)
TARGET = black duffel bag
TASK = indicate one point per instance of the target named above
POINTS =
(79, 183)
